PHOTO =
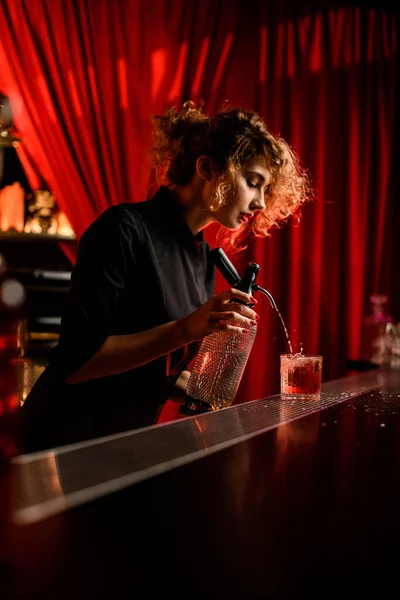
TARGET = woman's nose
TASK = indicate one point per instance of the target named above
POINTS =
(259, 202)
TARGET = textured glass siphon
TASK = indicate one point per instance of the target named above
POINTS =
(219, 367)
(301, 376)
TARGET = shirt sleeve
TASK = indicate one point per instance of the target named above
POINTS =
(106, 261)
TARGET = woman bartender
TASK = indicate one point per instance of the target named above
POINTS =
(142, 290)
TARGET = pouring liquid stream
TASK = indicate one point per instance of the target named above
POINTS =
(286, 331)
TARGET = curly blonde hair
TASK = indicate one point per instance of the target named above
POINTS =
(229, 139)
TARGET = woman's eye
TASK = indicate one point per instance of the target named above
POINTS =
(251, 184)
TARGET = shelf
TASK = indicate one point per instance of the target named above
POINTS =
(33, 237)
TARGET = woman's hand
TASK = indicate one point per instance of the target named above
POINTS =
(121, 353)
(214, 314)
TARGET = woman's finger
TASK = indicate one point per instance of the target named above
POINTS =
(234, 293)
(219, 326)
(237, 308)
(240, 308)
(231, 315)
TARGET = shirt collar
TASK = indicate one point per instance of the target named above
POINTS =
(172, 212)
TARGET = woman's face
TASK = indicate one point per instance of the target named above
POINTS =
(250, 188)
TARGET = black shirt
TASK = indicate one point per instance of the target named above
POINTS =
(138, 266)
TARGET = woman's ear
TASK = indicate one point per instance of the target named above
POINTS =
(204, 167)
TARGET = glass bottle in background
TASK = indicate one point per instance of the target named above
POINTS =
(375, 332)
(395, 356)
(12, 299)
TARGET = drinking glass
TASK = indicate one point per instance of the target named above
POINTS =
(301, 376)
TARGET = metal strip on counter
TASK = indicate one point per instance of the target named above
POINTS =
(46, 483)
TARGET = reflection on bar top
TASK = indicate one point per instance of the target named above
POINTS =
(46, 483)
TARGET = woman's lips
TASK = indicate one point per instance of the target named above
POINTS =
(245, 217)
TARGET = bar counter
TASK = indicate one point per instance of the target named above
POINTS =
(268, 499)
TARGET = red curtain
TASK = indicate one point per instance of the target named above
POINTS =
(84, 76)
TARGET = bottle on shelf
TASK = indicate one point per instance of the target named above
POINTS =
(12, 299)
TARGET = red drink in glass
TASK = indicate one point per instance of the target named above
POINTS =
(301, 376)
